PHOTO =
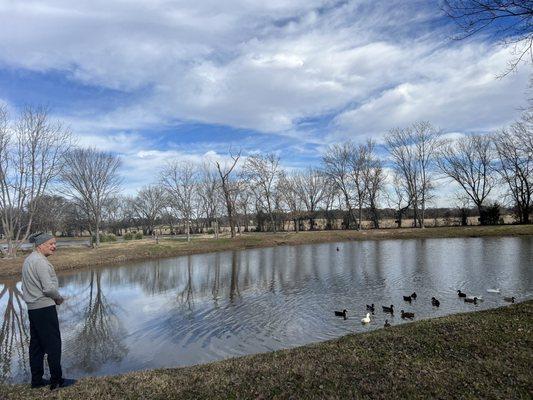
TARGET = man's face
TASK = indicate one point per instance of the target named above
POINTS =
(47, 248)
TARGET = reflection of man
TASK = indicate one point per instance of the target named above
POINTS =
(40, 292)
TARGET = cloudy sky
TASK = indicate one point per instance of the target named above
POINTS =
(156, 80)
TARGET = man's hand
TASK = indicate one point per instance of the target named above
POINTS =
(59, 300)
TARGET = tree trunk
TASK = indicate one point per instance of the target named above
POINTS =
(97, 229)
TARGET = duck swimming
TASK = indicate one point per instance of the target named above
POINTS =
(341, 313)
(386, 324)
(509, 299)
(435, 302)
(471, 300)
(409, 315)
(461, 294)
(407, 298)
(366, 319)
(370, 308)
(388, 309)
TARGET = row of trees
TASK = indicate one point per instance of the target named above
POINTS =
(48, 183)
(37, 156)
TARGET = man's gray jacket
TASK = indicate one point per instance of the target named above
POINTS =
(39, 282)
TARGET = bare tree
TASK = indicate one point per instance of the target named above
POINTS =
(31, 151)
(91, 178)
(331, 194)
(514, 147)
(358, 161)
(228, 188)
(510, 21)
(367, 176)
(262, 173)
(50, 214)
(118, 214)
(337, 166)
(413, 150)
(180, 179)
(310, 186)
(400, 197)
(149, 204)
(291, 196)
(468, 162)
(243, 202)
(208, 191)
(374, 181)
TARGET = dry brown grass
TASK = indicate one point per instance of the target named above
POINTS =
(69, 258)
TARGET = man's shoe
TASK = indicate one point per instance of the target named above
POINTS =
(44, 382)
(62, 383)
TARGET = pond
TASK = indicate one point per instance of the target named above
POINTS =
(196, 309)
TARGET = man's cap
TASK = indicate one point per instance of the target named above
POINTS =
(39, 238)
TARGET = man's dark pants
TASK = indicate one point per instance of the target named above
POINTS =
(45, 338)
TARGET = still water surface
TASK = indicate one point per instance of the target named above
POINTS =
(201, 308)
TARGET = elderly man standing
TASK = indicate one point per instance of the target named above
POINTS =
(40, 292)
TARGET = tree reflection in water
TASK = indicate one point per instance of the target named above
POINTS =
(216, 280)
(234, 285)
(186, 296)
(99, 337)
(14, 333)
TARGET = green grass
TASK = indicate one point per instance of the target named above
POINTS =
(481, 355)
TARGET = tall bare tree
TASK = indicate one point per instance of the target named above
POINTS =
(180, 179)
(399, 197)
(337, 166)
(468, 161)
(31, 154)
(514, 147)
(228, 188)
(262, 174)
(291, 196)
(358, 163)
(413, 151)
(509, 21)
(310, 185)
(91, 178)
(50, 214)
(208, 191)
(374, 181)
(149, 204)
(244, 202)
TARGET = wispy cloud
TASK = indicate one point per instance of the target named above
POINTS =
(289, 76)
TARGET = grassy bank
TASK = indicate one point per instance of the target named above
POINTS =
(485, 354)
(111, 253)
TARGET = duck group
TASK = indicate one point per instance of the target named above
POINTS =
(370, 308)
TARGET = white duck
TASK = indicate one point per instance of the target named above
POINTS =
(366, 319)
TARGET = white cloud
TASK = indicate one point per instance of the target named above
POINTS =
(460, 93)
(264, 66)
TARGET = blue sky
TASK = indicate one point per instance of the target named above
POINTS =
(159, 80)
